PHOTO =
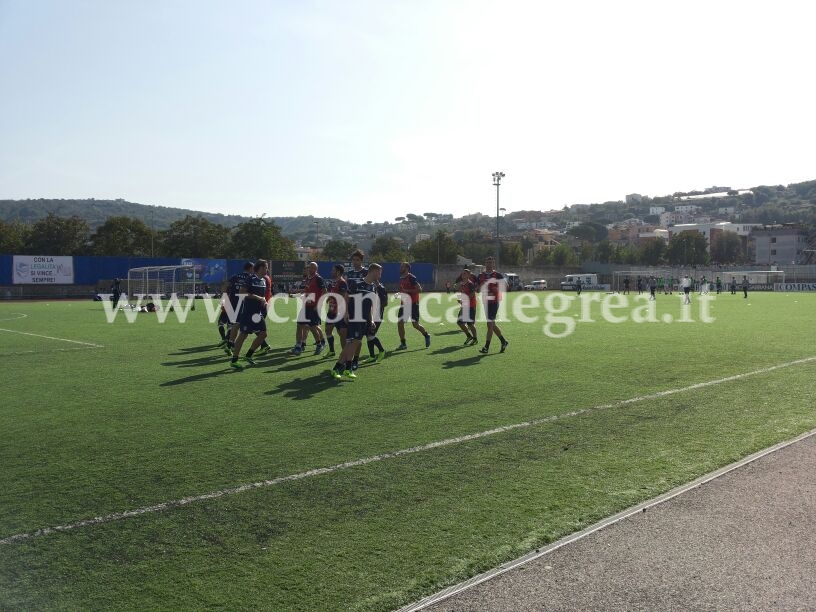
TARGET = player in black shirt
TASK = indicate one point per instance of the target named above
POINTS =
(228, 319)
(361, 315)
(252, 318)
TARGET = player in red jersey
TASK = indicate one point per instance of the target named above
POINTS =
(336, 292)
(409, 285)
(491, 283)
(265, 348)
(468, 290)
(309, 319)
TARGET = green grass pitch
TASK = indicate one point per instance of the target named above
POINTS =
(133, 415)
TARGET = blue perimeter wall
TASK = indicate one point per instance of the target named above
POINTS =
(90, 270)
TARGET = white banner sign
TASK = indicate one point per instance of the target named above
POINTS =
(794, 287)
(43, 270)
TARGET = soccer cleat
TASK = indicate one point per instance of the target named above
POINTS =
(380, 356)
(427, 340)
(249, 360)
(503, 346)
(236, 365)
(484, 350)
(335, 374)
(354, 365)
(474, 342)
(370, 359)
(319, 349)
(349, 374)
(295, 352)
(402, 346)
(467, 342)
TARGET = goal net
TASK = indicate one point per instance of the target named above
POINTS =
(162, 280)
(669, 278)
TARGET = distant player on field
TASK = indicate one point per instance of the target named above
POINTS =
(468, 290)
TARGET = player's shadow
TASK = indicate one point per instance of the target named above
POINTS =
(199, 361)
(196, 349)
(450, 332)
(292, 365)
(449, 349)
(305, 388)
(469, 361)
(199, 377)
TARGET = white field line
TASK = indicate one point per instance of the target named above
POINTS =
(160, 507)
(43, 352)
(14, 331)
(20, 315)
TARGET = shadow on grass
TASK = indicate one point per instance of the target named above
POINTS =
(199, 377)
(199, 361)
(306, 388)
(451, 332)
(197, 349)
(449, 349)
(449, 365)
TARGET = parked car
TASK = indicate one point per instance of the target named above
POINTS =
(536, 285)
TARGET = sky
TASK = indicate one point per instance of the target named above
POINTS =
(367, 111)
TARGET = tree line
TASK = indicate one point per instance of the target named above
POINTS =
(193, 236)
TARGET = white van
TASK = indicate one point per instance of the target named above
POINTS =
(536, 285)
(571, 280)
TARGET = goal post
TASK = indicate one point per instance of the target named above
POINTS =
(162, 280)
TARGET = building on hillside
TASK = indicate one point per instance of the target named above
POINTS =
(634, 198)
(420, 237)
(686, 208)
(779, 245)
(657, 233)
(657, 210)
(713, 229)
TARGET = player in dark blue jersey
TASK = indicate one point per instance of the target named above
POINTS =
(357, 273)
(335, 316)
(372, 340)
(252, 318)
(230, 308)
(362, 312)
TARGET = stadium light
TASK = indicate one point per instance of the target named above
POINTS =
(497, 177)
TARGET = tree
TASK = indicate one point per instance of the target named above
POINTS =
(592, 232)
(511, 255)
(58, 236)
(727, 248)
(442, 248)
(414, 218)
(122, 236)
(195, 237)
(386, 249)
(563, 255)
(687, 249)
(261, 238)
(605, 251)
(337, 250)
(13, 237)
(652, 252)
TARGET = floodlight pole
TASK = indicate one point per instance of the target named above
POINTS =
(497, 177)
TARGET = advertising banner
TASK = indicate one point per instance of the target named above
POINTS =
(42, 270)
(788, 287)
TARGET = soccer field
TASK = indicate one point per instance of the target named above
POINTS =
(136, 440)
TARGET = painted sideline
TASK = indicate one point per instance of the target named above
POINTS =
(118, 516)
(14, 331)
(602, 524)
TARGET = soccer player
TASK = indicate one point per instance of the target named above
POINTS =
(357, 273)
(686, 284)
(652, 287)
(625, 285)
(251, 320)
(336, 291)
(468, 291)
(409, 285)
(733, 285)
(718, 285)
(490, 282)
(360, 314)
(704, 286)
(234, 284)
(309, 317)
(578, 286)
(745, 285)
(372, 341)
(265, 348)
